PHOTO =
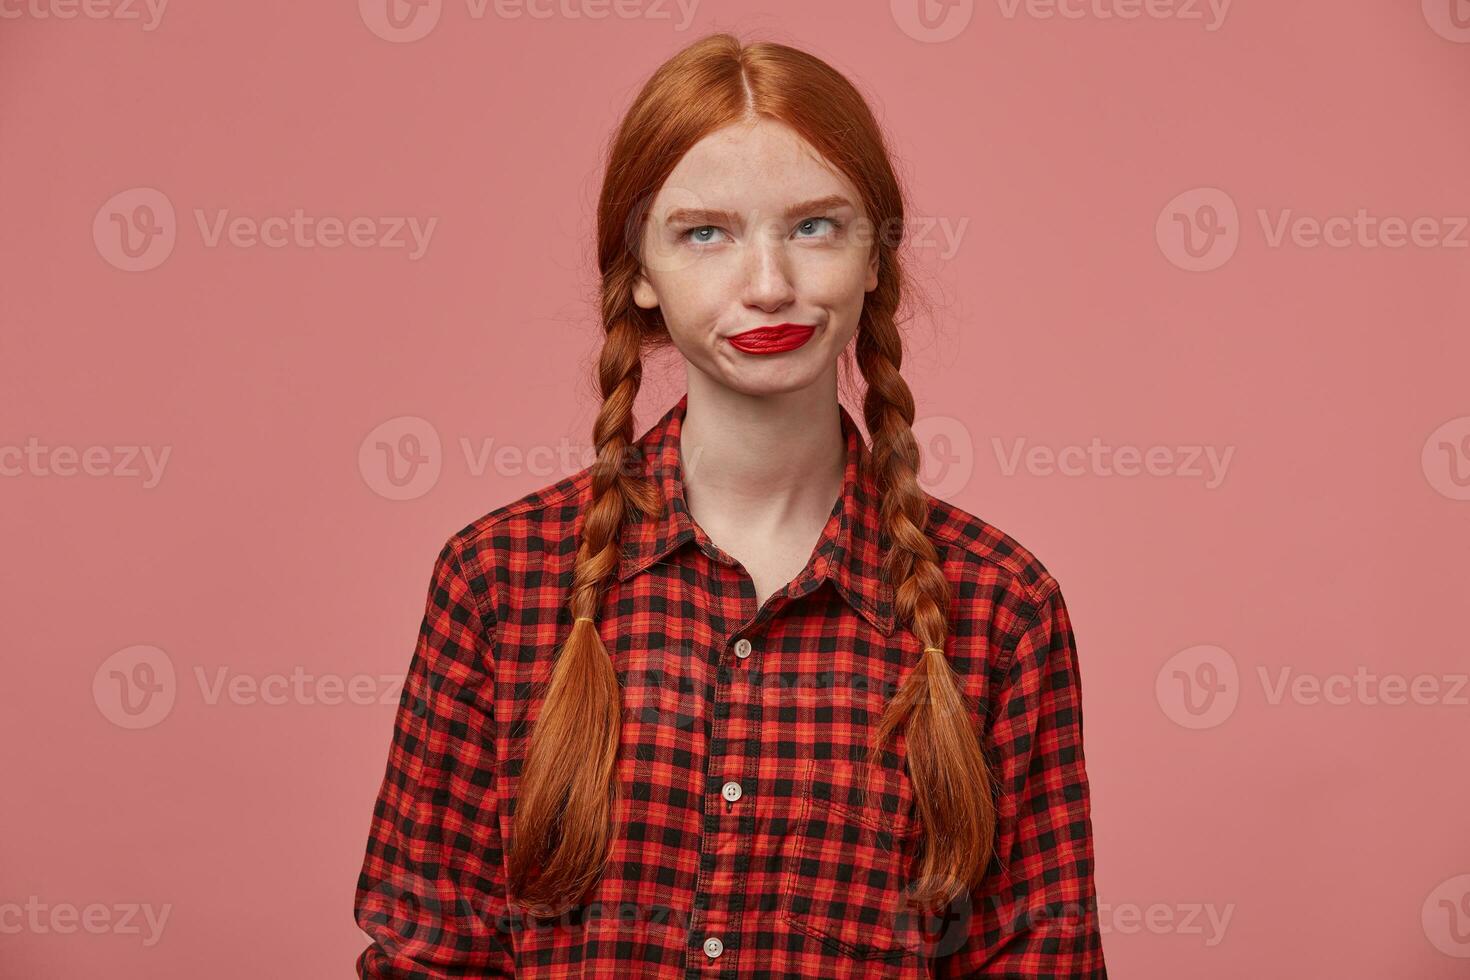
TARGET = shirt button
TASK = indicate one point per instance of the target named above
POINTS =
(742, 648)
(713, 947)
(731, 791)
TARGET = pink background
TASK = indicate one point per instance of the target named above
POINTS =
(1324, 839)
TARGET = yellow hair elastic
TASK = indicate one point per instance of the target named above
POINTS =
(937, 650)
(580, 618)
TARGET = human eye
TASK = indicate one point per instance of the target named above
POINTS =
(696, 236)
(811, 222)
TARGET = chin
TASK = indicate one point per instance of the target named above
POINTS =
(775, 380)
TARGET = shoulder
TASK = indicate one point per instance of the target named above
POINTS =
(989, 565)
(533, 520)
(537, 532)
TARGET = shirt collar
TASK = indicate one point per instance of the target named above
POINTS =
(848, 554)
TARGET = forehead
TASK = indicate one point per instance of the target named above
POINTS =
(751, 166)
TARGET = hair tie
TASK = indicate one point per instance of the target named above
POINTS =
(580, 618)
(938, 650)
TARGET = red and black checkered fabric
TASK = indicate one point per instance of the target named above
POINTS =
(743, 846)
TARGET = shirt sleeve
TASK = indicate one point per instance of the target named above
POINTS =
(1035, 914)
(431, 893)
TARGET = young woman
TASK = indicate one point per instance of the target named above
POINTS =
(740, 699)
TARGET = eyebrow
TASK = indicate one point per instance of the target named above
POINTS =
(714, 215)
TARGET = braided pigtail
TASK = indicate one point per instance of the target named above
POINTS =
(952, 782)
(568, 793)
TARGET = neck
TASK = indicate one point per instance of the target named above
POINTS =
(763, 462)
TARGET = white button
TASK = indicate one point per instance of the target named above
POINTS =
(742, 648)
(713, 947)
(731, 791)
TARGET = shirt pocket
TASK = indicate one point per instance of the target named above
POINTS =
(852, 859)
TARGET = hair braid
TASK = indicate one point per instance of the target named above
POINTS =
(571, 760)
(952, 783)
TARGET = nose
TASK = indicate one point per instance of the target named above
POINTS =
(768, 282)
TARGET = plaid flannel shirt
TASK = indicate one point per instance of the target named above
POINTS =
(742, 848)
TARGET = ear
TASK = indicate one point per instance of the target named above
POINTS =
(643, 293)
(872, 282)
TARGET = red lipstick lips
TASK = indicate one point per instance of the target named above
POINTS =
(773, 340)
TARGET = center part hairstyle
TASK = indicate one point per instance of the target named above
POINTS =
(568, 795)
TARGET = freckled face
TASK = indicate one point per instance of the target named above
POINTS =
(753, 229)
